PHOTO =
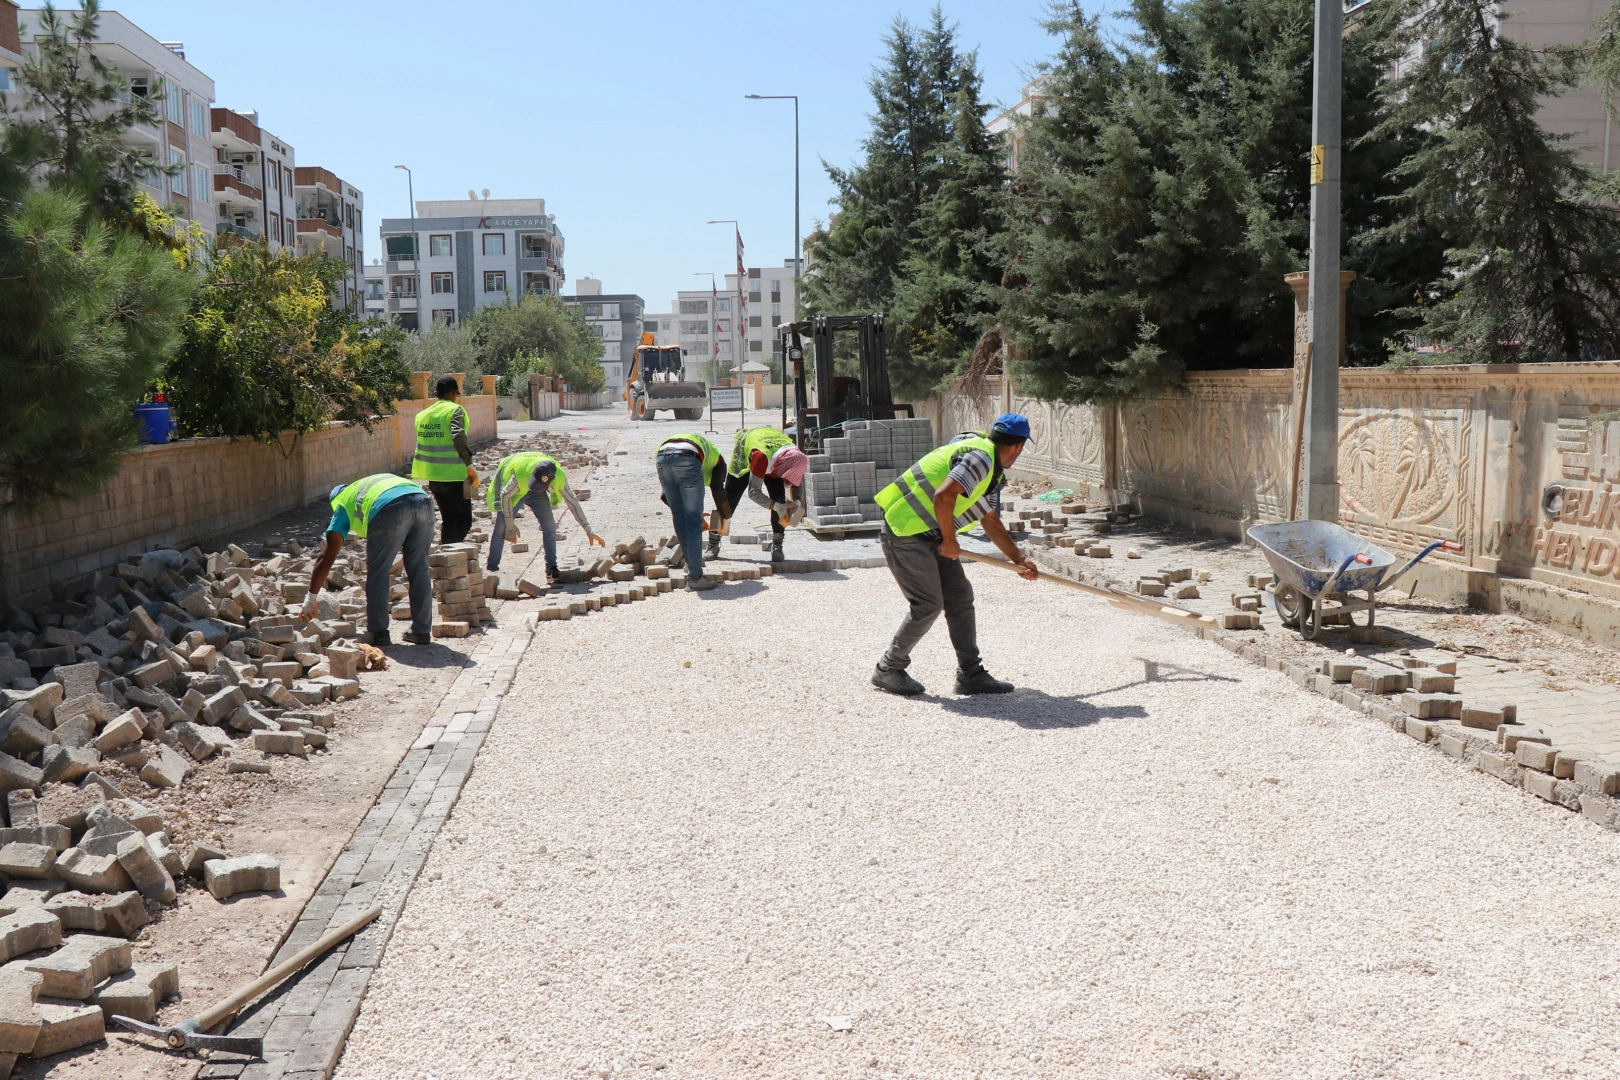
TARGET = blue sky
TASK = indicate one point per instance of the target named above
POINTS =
(627, 118)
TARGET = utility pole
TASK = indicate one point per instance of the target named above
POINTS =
(798, 259)
(416, 243)
(1321, 457)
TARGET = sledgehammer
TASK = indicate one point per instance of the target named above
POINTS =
(192, 1034)
(1180, 616)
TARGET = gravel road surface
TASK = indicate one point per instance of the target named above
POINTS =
(757, 865)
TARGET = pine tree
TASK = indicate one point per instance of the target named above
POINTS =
(1532, 262)
(907, 236)
(90, 299)
(1602, 64)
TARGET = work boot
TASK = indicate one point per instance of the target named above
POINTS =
(712, 551)
(897, 681)
(418, 639)
(552, 573)
(702, 584)
(776, 551)
(377, 640)
(980, 682)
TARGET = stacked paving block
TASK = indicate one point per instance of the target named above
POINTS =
(843, 480)
(458, 590)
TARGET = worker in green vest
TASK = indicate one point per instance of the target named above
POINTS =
(950, 485)
(765, 461)
(538, 481)
(393, 516)
(686, 465)
(444, 460)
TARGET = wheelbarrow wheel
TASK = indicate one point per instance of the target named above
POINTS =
(1310, 617)
(1290, 602)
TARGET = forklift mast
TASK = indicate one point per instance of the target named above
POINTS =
(839, 398)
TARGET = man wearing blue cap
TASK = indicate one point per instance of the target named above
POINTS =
(953, 482)
(393, 515)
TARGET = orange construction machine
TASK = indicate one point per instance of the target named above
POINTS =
(655, 383)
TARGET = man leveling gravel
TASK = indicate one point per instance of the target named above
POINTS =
(953, 482)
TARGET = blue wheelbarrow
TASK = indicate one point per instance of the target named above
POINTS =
(1318, 565)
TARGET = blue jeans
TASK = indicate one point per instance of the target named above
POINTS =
(405, 524)
(682, 478)
(541, 505)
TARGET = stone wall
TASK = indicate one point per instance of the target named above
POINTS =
(181, 492)
(1519, 464)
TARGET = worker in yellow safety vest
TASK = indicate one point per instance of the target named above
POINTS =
(949, 485)
(686, 465)
(393, 516)
(443, 460)
(765, 461)
(536, 480)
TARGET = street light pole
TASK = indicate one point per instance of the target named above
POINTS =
(1321, 451)
(416, 243)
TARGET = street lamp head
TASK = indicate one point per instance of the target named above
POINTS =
(752, 97)
(405, 167)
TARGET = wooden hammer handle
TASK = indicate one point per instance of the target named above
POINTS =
(1113, 596)
(282, 971)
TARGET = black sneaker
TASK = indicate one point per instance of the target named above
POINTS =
(418, 639)
(776, 552)
(981, 682)
(897, 681)
(380, 641)
(712, 551)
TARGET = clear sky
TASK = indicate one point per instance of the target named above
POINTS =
(627, 118)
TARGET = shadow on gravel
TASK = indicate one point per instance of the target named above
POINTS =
(733, 590)
(1039, 711)
(425, 656)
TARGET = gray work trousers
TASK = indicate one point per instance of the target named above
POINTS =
(930, 584)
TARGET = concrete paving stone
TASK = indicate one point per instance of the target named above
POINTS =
(92, 873)
(1431, 706)
(1598, 777)
(151, 878)
(83, 962)
(280, 742)
(77, 732)
(20, 1021)
(67, 1027)
(1509, 736)
(201, 741)
(64, 804)
(62, 764)
(1538, 756)
(1598, 808)
(1500, 766)
(26, 930)
(23, 894)
(284, 1033)
(41, 702)
(121, 732)
(20, 860)
(165, 768)
(225, 878)
(99, 913)
(106, 831)
(24, 736)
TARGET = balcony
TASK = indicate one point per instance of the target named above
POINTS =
(319, 225)
(228, 178)
(241, 232)
(402, 303)
(402, 266)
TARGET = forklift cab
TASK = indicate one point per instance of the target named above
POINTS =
(839, 397)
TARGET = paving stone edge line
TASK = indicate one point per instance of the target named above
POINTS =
(1470, 744)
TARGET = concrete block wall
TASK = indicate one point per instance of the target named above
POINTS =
(183, 492)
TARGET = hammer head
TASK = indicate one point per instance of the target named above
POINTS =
(186, 1037)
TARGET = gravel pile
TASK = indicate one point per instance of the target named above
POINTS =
(698, 844)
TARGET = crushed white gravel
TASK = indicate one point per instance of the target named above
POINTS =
(695, 871)
(704, 872)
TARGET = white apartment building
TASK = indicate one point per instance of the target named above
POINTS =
(704, 328)
(183, 95)
(473, 252)
(253, 181)
(11, 56)
(615, 320)
(773, 299)
(330, 221)
(375, 300)
(706, 325)
(662, 326)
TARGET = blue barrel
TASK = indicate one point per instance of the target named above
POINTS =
(156, 423)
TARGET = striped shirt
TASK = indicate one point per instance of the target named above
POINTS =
(969, 471)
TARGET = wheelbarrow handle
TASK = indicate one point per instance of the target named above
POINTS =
(1448, 545)
(1357, 557)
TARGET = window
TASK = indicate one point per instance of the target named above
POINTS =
(438, 245)
(756, 345)
(610, 311)
(171, 102)
(177, 182)
(651, 327)
(536, 283)
(754, 320)
(443, 284)
(273, 228)
(723, 304)
(400, 247)
(695, 307)
(5, 79)
(286, 180)
(722, 326)
(494, 243)
(494, 280)
(292, 238)
(199, 118)
(695, 327)
(596, 330)
(199, 179)
(776, 286)
(402, 285)
(753, 297)
(593, 311)
(444, 316)
(776, 320)
(725, 348)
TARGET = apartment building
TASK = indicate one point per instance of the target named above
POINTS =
(375, 300)
(253, 181)
(773, 299)
(330, 222)
(661, 325)
(473, 252)
(705, 329)
(615, 320)
(11, 56)
(182, 134)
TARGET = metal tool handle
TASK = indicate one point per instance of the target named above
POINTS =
(278, 974)
(1113, 596)
(1449, 545)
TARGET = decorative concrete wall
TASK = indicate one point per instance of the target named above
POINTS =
(1519, 464)
(183, 492)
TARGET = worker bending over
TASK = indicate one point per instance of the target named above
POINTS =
(538, 481)
(444, 460)
(686, 465)
(765, 461)
(952, 485)
(392, 515)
